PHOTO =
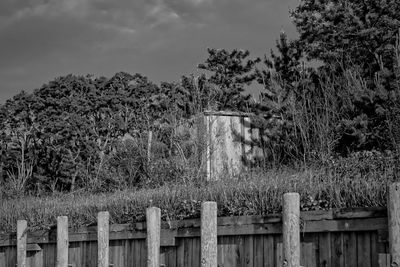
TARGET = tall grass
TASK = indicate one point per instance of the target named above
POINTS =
(256, 194)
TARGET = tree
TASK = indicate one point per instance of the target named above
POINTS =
(231, 72)
(75, 121)
(349, 31)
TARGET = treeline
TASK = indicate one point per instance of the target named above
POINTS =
(86, 132)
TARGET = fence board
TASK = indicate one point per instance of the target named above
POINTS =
(187, 252)
(196, 252)
(350, 249)
(180, 253)
(258, 251)
(143, 251)
(279, 254)
(364, 249)
(221, 253)
(241, 250)
(325, 250)
(308, 255)
(171, 257)
(268, 249)
(384, 260)
(337, 249)
(249, 251)
(374, 249)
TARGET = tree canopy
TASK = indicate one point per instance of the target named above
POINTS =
(349, 31)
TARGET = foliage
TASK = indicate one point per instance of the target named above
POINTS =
(73, 122)
(358, 32)
(310, 115)
(87, 133)
(230, 71)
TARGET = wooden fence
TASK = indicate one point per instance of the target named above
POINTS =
(353, 237)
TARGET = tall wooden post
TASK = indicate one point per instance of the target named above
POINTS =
(22, 227)
(208, 234)
(153, 222)
(291, 230)
(62, 241)
(149, 143)
(394, 223)
(103, 232)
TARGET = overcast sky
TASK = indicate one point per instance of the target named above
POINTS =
(162, 39)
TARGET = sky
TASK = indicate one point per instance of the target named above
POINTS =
(161, 39)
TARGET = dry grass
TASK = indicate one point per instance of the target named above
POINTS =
(254, 194)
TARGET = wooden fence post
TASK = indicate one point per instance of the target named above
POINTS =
(209, 234)
(22, 227)
(149, 143)
(394, 223)
(62, 241)
(153, 223)
(291, 230)
(103, 232)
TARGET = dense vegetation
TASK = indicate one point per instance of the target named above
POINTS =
(91, 134)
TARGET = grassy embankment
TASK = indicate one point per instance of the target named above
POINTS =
(260, 193)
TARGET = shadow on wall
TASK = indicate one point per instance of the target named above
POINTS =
(231, 143)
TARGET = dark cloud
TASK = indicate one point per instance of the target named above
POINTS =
(42, 39)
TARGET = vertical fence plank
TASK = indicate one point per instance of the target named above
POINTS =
(196, 252)
(291, 229)
(103, 231)
(258, 251)
(22, 226)
(268, 251)
(209, 234)
(62, 241)
(153, 221)
(180, 253)
(336, 255)
(394, 223)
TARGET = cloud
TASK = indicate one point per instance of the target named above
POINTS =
(125, 16)
(41, 39)
(160, 13)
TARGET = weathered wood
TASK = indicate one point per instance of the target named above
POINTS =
(149, 143)
(350, 249)
(196, 244)
(103, 230)
(258, 251)
(358, 213)
(334, 238)
(180, 253)
(269, 255)
(62, 241)
(337, 254)
(32, 247)
(325, 249)
(374, 249)
(227, 113)
(394, 223)
(225, 146)
(187, 254)
(364, 219)
(308, 255)
(22, 227)
(209, 234)
(291, 229)
(168, 236)
(153, 219)
(279, 255)
(364, 249)
(384, 260)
